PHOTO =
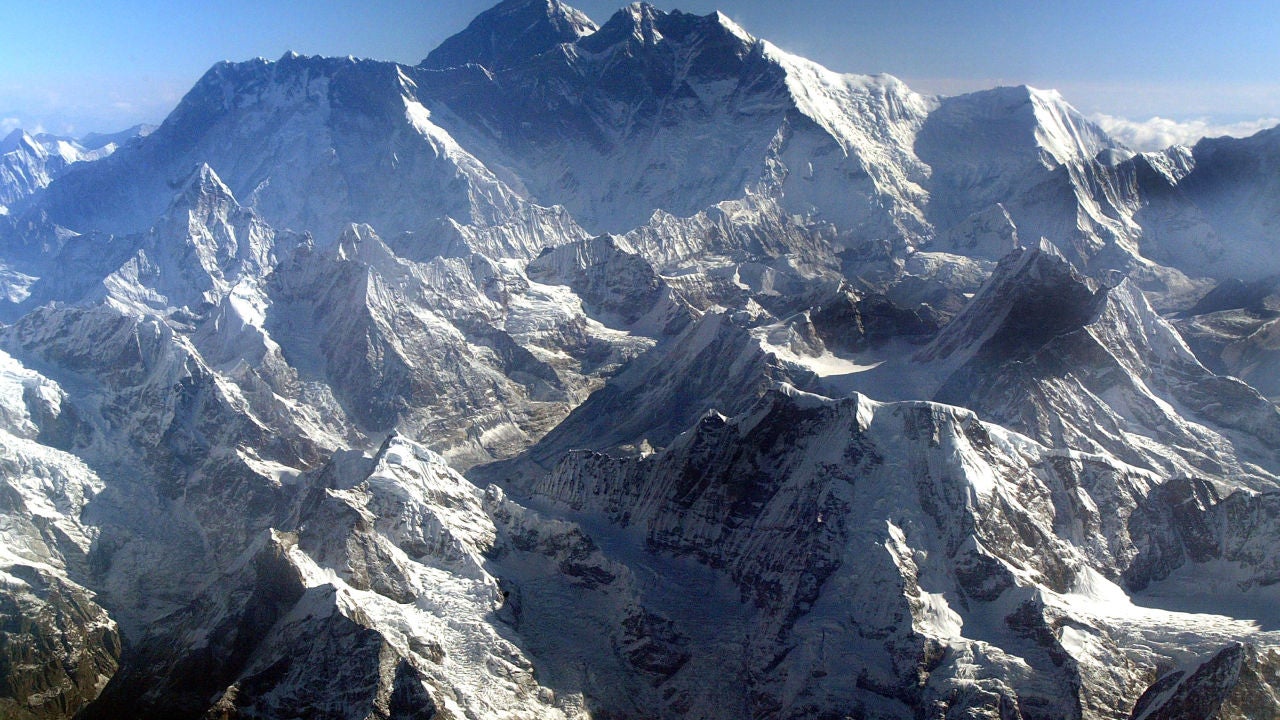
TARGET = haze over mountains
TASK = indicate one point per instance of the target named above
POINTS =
(635, 370)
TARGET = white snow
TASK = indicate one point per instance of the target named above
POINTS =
(825, 364)
(737, 199)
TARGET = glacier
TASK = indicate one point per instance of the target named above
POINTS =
(638, 369)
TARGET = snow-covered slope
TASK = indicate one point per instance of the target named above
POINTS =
(312, 144)
(679, 112)
(60, 646)
(1211, 209)
(902, 556)
(26, 166)
(1019, 149)
(511, 31)
(214, 361)
(28, 163)
(781, 393)
(1234, 330)
(367, 596)
(1048, 352)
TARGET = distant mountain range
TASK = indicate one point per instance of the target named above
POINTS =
(640, 370)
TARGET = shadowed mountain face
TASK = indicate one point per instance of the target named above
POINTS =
(511, 32)
(634, 370)
(27, 163)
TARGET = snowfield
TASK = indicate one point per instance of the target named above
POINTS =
(634, 370)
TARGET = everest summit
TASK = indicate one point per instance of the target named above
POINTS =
(634, 369)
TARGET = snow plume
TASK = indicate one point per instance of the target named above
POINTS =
(9, 124)
(1159, 133)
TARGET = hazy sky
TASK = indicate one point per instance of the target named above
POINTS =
(72, 66)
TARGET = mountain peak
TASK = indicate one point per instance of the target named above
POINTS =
(95, 140)
(16, 140)
(639, 21)
(204, 182)
(202, 198)
(1063, 132)
(642, 12)
(510, 31)
(734, 28)
(10, 142)
(1034, 294)
(650, 25)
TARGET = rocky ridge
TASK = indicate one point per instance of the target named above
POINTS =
(742, 358)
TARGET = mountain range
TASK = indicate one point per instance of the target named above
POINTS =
(635, 370)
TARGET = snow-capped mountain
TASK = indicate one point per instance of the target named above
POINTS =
(27, 166)
(1000, 561)
(511, 32)
(28, 163)
(636, 369)
(1212, 206)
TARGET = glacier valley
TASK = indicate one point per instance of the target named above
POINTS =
(635, 370)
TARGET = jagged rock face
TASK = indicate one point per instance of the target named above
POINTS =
(561, 120)
(246, 355)
(198, 252)
(440, 337)
(205, 422)
(895, 545)
(616, 284)
(1232, 330)
(25, 167)
(851, 324)
(286, 134)
(1239, 682)
(714, 363)
(29, 163)
(450, 349)
(366, 594)
(1193, 525)
(1030, 184)
(719, 116)
(716, 115)
(1207, 210)
(1047, 351)
(58, 646)
(679, 112)
(937, 285)
(509, 32)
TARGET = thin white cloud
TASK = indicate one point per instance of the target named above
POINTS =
(1159, 133)
(90, 104)
(9, 124)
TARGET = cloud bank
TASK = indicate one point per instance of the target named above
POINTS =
(1159, 133)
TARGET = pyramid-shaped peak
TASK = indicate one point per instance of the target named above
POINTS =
(1034, 295)
(359, 243)
(202, 194)
(203, 181)
(18, 139)
(511, 31)
(731, 26)
(10, 141)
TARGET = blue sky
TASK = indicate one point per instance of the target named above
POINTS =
(73, 66)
